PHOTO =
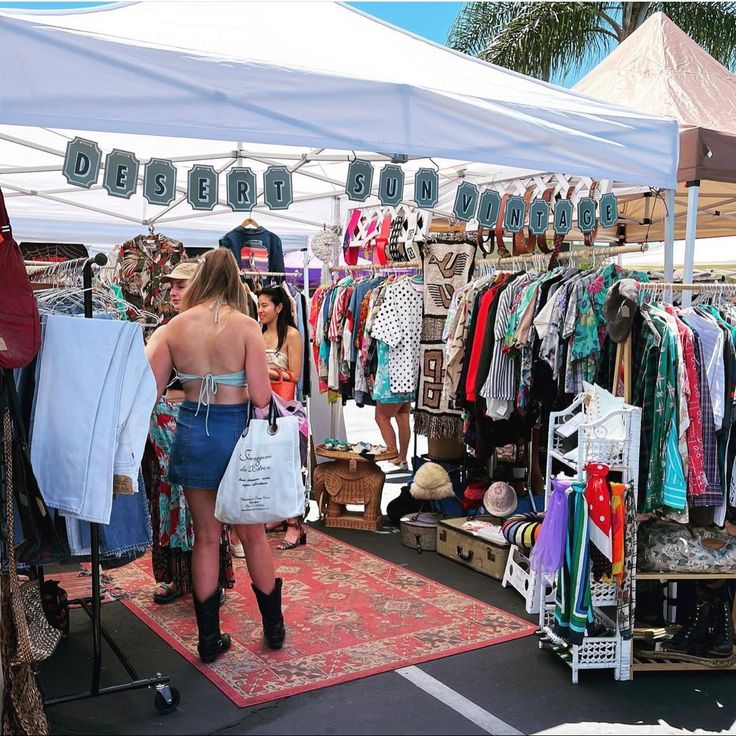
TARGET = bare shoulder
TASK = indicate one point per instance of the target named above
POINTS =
(293, 334)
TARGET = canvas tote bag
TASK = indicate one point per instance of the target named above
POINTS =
(263, 480)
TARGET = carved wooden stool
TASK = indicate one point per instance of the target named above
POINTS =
(351, 479)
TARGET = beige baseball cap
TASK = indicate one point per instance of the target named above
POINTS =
(183, 271)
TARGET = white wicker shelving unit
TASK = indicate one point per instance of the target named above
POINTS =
(598, 441)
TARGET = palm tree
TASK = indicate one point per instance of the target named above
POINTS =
(552, 39)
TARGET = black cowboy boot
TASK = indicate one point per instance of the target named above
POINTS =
(273, 620)
(693, 637)
(721, 643)
(211, 641)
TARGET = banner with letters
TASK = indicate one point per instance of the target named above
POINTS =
(84, 161)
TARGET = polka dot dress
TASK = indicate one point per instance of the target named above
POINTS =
(399, 325)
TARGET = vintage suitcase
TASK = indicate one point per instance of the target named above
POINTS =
(480, 545)
(419, 531)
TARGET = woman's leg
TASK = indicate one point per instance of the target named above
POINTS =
(258, 555)
(402, 420)
(384, 413)
(206, 549)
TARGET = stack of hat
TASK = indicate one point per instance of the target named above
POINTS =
(431, 483)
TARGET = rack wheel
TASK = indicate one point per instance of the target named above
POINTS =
(160, 701)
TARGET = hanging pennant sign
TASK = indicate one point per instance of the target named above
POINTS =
(466, 201)
(277, 191)
(586, 215)
(426, 188)
(360, 180)
(515, 214)
(241, 189)
(82, 162)
(488, 208)
(202, 191)
(391, 185)
(538, 217)
(563, 216)
(159, 181)
(121, 174)
(608, 209)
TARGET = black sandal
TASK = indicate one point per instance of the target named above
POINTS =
(285, 544)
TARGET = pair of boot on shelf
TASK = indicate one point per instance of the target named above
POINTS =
(213, 642)
(709, 631)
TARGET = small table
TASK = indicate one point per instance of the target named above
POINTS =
(350, 479)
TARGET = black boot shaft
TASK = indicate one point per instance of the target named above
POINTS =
(211, 641)
(273, 620)
(721, 644)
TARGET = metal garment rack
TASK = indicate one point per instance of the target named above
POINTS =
(167, 698)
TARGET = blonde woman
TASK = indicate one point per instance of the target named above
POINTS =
(213, 345)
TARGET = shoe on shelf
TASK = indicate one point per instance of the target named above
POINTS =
(286, 544)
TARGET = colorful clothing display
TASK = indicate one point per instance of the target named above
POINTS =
(140, 264)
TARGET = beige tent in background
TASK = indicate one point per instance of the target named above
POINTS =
(660, 69)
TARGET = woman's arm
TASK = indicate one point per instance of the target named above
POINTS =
(295, 352)
(159, 357)
(256, 365)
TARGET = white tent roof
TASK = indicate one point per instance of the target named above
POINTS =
(272, 82)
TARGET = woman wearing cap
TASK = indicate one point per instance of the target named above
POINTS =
(214, 345)
(171, 552)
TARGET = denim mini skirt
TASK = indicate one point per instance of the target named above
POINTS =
(203, 443)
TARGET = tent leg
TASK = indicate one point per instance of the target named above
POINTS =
(669, 238)
(693, 191)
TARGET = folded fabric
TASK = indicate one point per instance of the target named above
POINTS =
(94, 397)
(129, 529)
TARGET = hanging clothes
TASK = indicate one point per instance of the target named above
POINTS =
(573, 606)
(140, 265)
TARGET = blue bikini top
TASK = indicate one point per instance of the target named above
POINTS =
(208, 387)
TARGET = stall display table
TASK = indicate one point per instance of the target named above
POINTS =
(349, 478)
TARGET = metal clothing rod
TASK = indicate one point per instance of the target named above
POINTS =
(169, 697)
(391, 266)
(252, 272)
(704, 286)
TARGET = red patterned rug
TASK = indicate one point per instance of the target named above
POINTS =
(348, 615)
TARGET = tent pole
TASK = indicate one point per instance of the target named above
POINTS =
(693, 191)
(669, 237)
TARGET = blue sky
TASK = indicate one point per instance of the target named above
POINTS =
(431, 20)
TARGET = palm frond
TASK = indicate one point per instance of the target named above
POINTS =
(710, 24)
(478, 23)
(546, 39)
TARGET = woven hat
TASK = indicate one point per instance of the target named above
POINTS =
(431, 482)
(500, 499)
(622, 303)
(184, 271)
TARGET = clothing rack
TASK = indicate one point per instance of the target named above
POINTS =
(594, 252)
(167, 698)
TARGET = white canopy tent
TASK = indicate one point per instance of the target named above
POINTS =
(305, 84)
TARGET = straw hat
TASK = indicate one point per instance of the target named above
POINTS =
(183, 271)
(500, 499)
(431, 482)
